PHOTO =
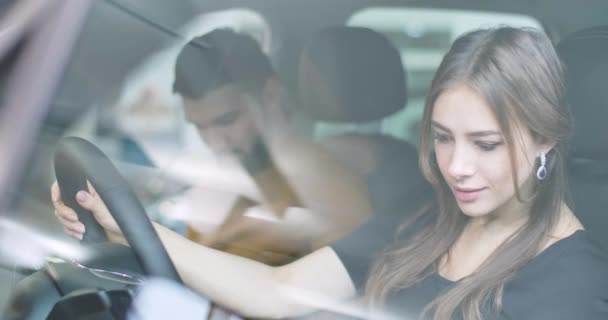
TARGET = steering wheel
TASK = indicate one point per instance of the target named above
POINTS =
(76, 161)
(83, 289)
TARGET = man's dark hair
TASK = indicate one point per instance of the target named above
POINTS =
(219, 58)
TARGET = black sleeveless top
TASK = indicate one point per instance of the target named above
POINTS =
(568, 280)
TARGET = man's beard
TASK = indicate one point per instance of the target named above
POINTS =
(256, 159)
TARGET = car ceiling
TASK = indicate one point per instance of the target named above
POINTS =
(121, 33)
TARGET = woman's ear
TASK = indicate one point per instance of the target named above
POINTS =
(546, 147)
(542, 144)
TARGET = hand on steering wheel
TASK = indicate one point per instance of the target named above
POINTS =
(92, 202)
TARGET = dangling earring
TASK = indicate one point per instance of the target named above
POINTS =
(541, 173)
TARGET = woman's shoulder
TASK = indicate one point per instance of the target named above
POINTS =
(569, 278)
(576, 256)
(577, 252)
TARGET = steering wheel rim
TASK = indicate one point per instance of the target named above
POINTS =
(76, 161)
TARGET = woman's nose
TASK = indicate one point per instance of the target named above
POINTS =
(462, 163)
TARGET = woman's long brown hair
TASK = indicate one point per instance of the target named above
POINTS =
(519, 74)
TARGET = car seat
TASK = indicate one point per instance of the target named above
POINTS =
(585, 55)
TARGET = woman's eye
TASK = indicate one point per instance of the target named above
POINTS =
(441, 138)
(488, 146)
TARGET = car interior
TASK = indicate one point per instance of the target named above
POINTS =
(356, 74)
(585, 64)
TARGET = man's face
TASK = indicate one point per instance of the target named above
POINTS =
(224, 120)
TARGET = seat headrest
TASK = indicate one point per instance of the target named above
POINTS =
(585, 55)
(351, 74)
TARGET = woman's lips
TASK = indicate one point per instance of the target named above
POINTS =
(467, 194)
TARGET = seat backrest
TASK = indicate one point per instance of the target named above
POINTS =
(585, 55)
(351, 74)
(355, 75)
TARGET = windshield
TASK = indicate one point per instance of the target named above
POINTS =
(243, 129)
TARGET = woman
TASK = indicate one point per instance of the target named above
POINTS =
(499, 241)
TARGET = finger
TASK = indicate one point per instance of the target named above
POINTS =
(72, 226)
(66, 212)
(55, 192)
(87, 201)
(75, 235)
(91, 189)
(75, 227)
(67, 215)
(68, 224)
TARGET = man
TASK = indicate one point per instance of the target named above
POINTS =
(225, 81)
(232, 95)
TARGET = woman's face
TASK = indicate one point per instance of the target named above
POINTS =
(472, 154)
